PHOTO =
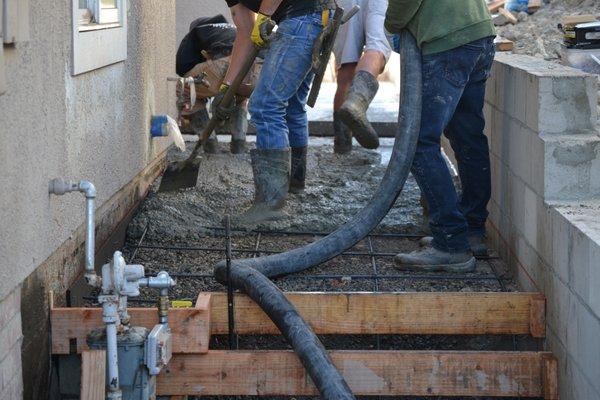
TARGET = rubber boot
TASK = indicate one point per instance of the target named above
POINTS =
(211, 145)
(271, 170)
(237, 146)
(342, 136)
(298, 170)
(354, 110)
(430, 259)
(478, 246)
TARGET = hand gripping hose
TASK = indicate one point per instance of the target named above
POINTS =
(251, 276)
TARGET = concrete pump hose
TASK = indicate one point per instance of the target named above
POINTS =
(251, 276)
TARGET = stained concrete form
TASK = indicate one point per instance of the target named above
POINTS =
(545, 149)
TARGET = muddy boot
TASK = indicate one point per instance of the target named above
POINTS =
(237, 146)
(478, 246)
(211, 145)
(342, 136)
(271, 170)
(354, 110)
(298, 170)
(430, 259)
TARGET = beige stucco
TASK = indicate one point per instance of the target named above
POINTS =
(189, 10)
(94, 126)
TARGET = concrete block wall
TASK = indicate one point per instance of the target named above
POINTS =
(11, 380)
(545, 207)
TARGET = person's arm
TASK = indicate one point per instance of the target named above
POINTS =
(400, 13)
(243, 18)
(268, 7)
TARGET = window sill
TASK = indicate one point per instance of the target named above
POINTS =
(97, 27)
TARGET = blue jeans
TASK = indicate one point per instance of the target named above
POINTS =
(278, 104)
(453, 97)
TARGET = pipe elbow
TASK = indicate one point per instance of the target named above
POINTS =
(88, 188)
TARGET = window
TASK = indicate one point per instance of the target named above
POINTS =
(99, 14)
(99, 34)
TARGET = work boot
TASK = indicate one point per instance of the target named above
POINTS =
(271, 170)
(298, 170)
(342, 136)
(354, 110)
(430, 259)
(237, 146)
(478, 246)
(211, 145)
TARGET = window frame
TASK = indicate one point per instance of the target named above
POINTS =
(98, 45)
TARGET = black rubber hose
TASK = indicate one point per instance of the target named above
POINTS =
(251, 275)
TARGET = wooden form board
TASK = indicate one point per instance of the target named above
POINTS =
(190, 326)
(395, 313)
(372, 373)
(494, 6)
(93, 375)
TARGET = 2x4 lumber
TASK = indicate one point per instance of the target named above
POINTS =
(190, 326)
(369, 373)
(395, 313)
(494, 6)
(93, 374)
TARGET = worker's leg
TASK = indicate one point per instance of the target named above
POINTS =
(348, 49)
(470, 145)
(285, 69)
(364, 86)
(342, 136)
(297, 121)
(445, 77)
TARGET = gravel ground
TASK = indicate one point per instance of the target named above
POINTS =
(538, 34)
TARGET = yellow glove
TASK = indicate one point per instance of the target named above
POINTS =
(259, 32)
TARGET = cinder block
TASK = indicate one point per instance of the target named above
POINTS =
(594, 278)
(570, 167)
(13, 389)
(561, 232)
(10, 334)
(531, 206)
(532, 107)
(537, 162)
(567, 105)
(10, 366)
(9, 306)
(558, 303)
(583, 342)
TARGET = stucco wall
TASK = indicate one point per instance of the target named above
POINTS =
(93, 126)
(189, 10)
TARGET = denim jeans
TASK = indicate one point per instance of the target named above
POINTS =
(278, 104)
(453, 97)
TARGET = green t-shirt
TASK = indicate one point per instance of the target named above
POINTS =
(440, 25)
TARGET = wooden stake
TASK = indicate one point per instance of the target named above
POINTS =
(93, 374)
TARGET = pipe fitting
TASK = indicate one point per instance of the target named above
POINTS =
(88, 188)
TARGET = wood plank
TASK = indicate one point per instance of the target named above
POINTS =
(392, 313)
(503, 44)
(550, 377)
(538, 316)
(369, 373)
(190, 326)
(494, 6)
(510, 17)
(93, 374)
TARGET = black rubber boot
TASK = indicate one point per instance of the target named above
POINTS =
(237, 146)
(298, 170)
(430, 259)
(211, 145)
(354, 110)
(271, 170)
(342, 136)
